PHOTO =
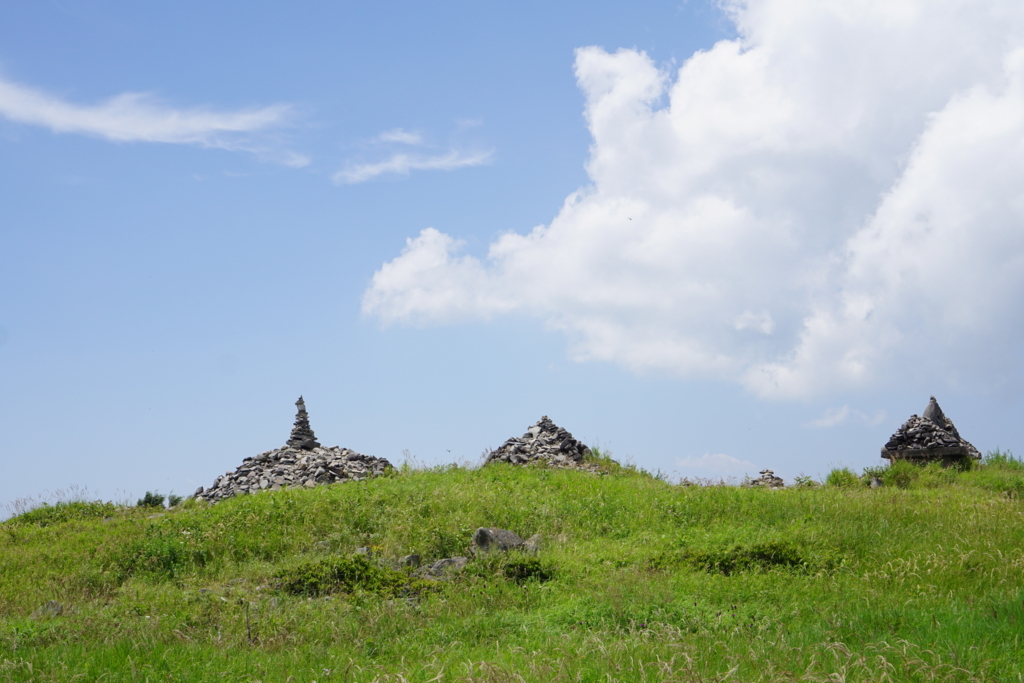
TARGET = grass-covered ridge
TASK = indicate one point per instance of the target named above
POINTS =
(637, 580)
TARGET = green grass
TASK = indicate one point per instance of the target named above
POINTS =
(637, 580)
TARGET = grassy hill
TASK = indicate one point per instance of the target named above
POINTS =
(637, 580)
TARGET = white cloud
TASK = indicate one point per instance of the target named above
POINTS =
(139, 117)
(833, 417)
(830, 201)
(400, 135)
(715, 464)
(403, 164)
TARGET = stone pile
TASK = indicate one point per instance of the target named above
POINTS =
(301, 462)
(768, 480)
(931, 437)
(544, 441)
(302, 434)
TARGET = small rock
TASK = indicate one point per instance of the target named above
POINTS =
(51, 608)
(446, 566)
(488, 540)
(532, 544)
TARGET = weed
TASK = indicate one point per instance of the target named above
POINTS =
(842, 477)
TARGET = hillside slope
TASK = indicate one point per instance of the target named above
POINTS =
(637, 580)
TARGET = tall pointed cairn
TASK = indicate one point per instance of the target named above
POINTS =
(302, 434)
(301, 462)
(929, 438)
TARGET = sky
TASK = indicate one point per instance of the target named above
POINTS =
(709, 237)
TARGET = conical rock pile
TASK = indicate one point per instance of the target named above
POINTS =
(543, 441)
(299, 463)
(931, 436)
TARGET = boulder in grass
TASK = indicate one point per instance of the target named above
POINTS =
(489, 540)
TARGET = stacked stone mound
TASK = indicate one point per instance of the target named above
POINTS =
(929, 437)
(545, 442)
(768, 480)
(299, 463)
(302, 435)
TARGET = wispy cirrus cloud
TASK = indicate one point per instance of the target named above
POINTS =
(400, 135)
(141, 117)
(403, 164)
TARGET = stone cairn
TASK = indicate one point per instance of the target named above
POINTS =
(546, 442)
(929, 438)
(301, 462)
(768, 480)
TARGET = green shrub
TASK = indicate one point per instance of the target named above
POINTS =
(152, 499)
(842, 477)
(901, 474)
(803, 481)
(873, 472)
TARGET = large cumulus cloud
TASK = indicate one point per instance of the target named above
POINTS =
(832, 198)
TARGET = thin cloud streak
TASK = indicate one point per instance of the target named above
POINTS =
(403, 164)
(402, 136)
(139, 117)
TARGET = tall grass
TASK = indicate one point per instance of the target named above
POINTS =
(637, 580)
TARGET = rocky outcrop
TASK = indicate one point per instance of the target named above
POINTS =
(544, 441)
(930, 437)
(302, 462)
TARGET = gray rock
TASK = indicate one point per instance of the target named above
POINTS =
(446, 566)
(50, 609)
(365, 550)
(532, 544)
(489, 540)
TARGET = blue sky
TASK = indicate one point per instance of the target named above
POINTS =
(711, 238)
